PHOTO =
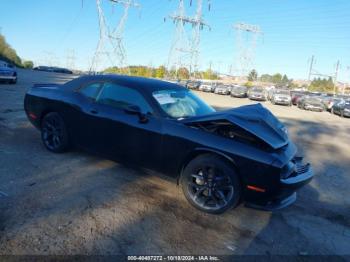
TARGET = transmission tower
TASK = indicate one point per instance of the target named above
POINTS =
(247, 36)
(198, 25)
(110, 44)
(184, 52)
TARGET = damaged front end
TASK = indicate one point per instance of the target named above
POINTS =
(254, 125)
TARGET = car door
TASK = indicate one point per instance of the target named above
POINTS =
(121, 135)
(80, 113)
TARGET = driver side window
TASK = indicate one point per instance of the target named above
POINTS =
(122, 97)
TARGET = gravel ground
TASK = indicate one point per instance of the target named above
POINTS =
(76, 203)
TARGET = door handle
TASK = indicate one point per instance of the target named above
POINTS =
(94, 111)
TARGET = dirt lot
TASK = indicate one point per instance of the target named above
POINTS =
(77, 203)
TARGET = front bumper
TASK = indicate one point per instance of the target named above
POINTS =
(221, 92)
(258, 98)
(282, 102)
(286, 195)
(238, 95)
(313, 107)
(346, 113)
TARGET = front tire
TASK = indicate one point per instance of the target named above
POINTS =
(211, 184)
(54, 133)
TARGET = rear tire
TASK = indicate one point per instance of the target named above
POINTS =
(54, 133)
(211, 184)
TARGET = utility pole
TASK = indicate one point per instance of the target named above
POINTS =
(181, 49)
(113, 37)
(310, 69)
(247, 36)
(219, 66)
(70, 59)
(336, 76)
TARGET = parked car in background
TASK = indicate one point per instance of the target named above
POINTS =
(8, 72)
(53, 69)
(257, 93)
(205, 87)
(193, 84)
(219, 158)
(311, 102)
(222, 90)
(296, 96)
(341, 108)
(62, 70)
(239, 91)
(43, 68)
(281, 97)
(330, 101)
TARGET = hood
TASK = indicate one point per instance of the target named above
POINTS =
(313, 100)
(254, 119)
(282, 96)
(221, 88)
(259, 93)
(236, 90)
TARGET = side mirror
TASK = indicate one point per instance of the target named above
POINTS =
(135, 110)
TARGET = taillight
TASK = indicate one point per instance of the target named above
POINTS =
(254, 188)
(32, 116)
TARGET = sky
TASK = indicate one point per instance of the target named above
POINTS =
(293, 31)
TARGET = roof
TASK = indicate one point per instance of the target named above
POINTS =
(135, 82)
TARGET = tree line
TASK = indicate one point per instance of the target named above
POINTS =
(322, 85)
(277, 79)
(317, 84)
(8, 54)
(162, 72)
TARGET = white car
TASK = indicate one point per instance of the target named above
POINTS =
(8, 72)
(205, 88)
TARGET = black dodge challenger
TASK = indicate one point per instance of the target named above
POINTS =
(219, 158)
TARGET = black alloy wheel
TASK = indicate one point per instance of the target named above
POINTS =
(211, 184)
(54, 133)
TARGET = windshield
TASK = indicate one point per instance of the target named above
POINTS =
(282, 92)
(239, 88)
(181, 103)
(257, 89)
